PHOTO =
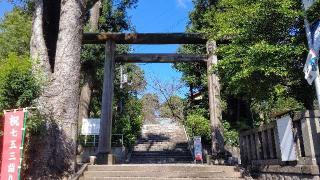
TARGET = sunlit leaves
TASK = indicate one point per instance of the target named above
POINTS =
(17, 86)
(15, 32)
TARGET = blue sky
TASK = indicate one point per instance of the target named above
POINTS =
(153, 16)
(4, 7)
(160, 16)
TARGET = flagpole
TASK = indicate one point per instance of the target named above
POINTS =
(311, 46)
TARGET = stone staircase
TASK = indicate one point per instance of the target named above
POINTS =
(161, 153)
(161, 143)
(160, 172)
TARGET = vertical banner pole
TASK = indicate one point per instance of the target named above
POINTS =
(22, 144)
(306, 4)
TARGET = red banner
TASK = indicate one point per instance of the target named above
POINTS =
(12, 139)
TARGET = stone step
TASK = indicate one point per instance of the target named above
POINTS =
(160, 160)
(167, 144)
(162, 133)
(162, 167)
(156, 178)
(162, 130)
(163, 143)
(158, 148)
(161, 156)
(177, 140)
(161, 153)
(136, 162)
(171, 136)
(155, 148)
(162, 174)
(158, 140)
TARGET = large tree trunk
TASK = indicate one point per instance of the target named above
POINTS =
(55, 45)
(88, 75)
(85, 98)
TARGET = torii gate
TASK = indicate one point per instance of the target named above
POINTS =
(111, 39)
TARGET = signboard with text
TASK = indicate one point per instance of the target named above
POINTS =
(12, 140)
(90, 126)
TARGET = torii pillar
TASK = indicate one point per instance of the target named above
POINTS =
(104, 155)
(214, 102)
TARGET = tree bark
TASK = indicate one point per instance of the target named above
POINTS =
(214, 104)
(59, 101)
(94, 16)
(38, 49)
(85, 98)
(87, 88)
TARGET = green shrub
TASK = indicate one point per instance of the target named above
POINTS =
(18, 87)
(129, 121)
(231, 136)
(197, 125)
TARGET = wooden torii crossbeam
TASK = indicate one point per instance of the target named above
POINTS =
(159, 58)
(145, 38)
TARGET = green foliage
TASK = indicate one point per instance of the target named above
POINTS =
(231, 136)
(261, 65)
(17, 86)
(313, 12)
(279, 102)
(197, 125)
(129, 121)
(35, 123)
(15, 33)
(114, 15)
(262, 53)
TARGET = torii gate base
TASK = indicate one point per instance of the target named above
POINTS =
(110, 39)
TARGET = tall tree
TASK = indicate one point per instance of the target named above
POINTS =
(87, 70)
(263, 62)
(55, 49)
(260, 67)
(104, 16)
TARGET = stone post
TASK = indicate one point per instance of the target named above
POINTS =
(104, 148)
(214, 102)
(311, 138)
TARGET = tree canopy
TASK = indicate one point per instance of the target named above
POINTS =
(261, 63)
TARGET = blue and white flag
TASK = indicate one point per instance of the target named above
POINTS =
(310, 68)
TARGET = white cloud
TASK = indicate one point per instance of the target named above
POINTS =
(183, 3)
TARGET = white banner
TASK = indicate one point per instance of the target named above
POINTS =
(310, 67)
(90, 126)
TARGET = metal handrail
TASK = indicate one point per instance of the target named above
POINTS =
(94, 139)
